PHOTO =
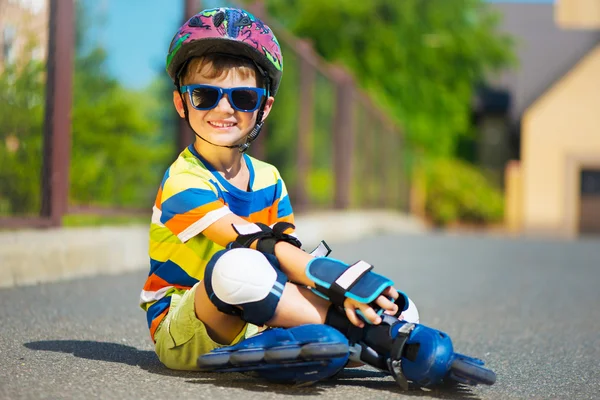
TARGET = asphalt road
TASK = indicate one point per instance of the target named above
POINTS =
(530, 308)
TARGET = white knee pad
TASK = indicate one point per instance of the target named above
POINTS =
(411, 314)
(246, 283)
(242, 276)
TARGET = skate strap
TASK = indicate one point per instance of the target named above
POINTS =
(266, 236)
(395, 360)
(336, 281)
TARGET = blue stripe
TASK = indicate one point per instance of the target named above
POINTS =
(275, 292)
(250, 168)
(285, 207)
(154, 265)
(279, 286)
(185, 201)
(165, 177)
(258, 201)
(174, 274)
(157, 308)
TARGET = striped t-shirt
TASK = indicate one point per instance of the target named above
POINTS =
(191, 197)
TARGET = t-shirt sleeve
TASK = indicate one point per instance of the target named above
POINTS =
(190, 204)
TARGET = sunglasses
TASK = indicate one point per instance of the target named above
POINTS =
(206, 97)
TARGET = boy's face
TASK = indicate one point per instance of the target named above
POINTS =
(222, 125)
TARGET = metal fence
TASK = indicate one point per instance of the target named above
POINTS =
(325, 135)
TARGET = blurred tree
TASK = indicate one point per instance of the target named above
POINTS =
(21, 118)
(119, 149)
(116, 153)
(420, 59)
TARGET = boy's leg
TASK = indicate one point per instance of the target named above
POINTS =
(297, 306)
(181, 336)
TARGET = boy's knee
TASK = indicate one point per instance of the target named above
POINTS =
(245, 282)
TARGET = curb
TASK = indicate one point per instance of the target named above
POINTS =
(29, 257)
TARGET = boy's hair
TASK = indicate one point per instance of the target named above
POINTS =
(220, 65)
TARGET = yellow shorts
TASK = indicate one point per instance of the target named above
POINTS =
(181, 337)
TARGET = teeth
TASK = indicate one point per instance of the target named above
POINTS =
(222, 124)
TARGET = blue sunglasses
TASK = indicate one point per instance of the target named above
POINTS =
(206, 97)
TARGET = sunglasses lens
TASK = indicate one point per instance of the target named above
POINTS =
(245, 99)
(205, 97)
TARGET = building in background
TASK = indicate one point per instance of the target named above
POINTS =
(553, 186)
(23, 30)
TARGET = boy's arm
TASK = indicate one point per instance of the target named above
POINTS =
(291, 258)
(293, 262)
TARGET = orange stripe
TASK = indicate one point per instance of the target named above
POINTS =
(154, 283)
(181, 222)
(157, 202)
(261, 216)
(156, 322)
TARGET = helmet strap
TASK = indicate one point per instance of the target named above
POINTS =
(259, 117)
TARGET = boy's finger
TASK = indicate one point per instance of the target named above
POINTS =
(391, 292)
(351, 314)
(370, 314)
(386, 304)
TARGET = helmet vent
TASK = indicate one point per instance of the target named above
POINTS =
(195, 23)
(218, 19)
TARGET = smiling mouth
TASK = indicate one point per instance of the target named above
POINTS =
(222, 124)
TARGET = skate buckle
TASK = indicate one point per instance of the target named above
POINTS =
(395, 361)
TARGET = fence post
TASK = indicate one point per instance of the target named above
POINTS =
(305, 123)
(343, 136)
(57, 123)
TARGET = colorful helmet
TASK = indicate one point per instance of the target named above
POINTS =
(229, 31)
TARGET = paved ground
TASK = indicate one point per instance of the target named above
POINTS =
(530, 308)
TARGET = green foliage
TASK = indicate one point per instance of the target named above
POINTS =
(320, 187)
(458, 192)
(22, 114)
(116, 156)
(419, 59)
(119, 148)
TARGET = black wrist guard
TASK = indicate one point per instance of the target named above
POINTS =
(267, 237)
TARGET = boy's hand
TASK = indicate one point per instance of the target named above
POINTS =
(350, 306)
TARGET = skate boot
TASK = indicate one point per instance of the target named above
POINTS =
(410, 352)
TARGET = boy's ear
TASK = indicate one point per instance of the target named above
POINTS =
(178, 102)
(268, 106)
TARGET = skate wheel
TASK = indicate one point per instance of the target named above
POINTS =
(324, 351)
(213, 360)
(247, 356)
(282, 353)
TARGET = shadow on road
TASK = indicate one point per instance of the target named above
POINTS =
(105, 351)
(147, 360)
(360, 378)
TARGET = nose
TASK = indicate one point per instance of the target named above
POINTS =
(224, 104)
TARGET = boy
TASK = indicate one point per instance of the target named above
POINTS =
(227, 65)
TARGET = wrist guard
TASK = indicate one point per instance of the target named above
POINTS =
(265, 236)
(336, 281)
